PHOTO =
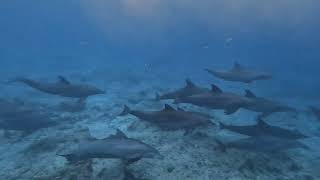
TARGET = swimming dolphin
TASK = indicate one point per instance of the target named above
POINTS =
(62, 88)
(25, 120)
(265, 106)
(315, 111)
(170, 118)
(217, 99)
(117, 146)
(189, 90)
(265, 144)
(264, 129)
(240, 74)
(17, 116)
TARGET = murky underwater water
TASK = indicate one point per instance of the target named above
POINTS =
(137, 89)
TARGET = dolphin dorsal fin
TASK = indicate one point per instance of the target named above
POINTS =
(119, 135)
(250, 94)
(237, 67)
(63, 80)
(189, 84)
(167, 107)
(261, 123)
(215, 89)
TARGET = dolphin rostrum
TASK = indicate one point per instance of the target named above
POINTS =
(62, 88)
(265, 106)
(189, 90)
(117, 146)
(240, 74)
(170, 118)
(217, 99)
(264, 129)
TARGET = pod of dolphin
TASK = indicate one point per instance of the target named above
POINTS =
(262, 137)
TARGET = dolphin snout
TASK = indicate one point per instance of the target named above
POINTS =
(101, 91)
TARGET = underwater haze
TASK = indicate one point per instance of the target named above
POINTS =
(160, 89)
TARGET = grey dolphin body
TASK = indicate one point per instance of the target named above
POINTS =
(240, 74)
(15, 117)
(189, 90)
(265, 144)
(264, 129)
(62, 88)
(117, 146)
(315, 111)
(265, 106)
(217, 99)
(170, 118)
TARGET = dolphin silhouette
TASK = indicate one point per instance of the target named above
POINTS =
(265, 106)
(217, 99)
(189, 90)
(62, 88)
(240, 74)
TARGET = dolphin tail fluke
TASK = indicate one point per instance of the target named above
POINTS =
(126, 111)
(70, 158)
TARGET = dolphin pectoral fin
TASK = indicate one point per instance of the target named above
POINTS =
(231, 110)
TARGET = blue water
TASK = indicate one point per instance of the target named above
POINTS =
(135, 48)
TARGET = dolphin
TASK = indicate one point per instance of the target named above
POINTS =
(25, 120)
(189, 90)
(264, 129)
(117, 146)
(315, 111)
(16, 116)
(264, 144)
(265, 106)
(170, 118)
(240, 74)
(217, 99)
(62, 88)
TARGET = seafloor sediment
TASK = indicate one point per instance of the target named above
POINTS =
(193, 156)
